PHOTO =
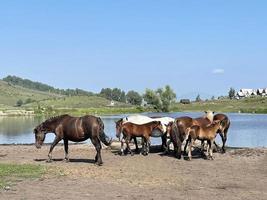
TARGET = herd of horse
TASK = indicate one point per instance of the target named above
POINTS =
(175, 131)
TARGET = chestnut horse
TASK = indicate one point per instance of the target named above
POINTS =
(130, 130)
(141, 119)
(177, 130)
(76, 129)
(207, 133)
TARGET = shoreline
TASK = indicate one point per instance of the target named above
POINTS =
(155, 176)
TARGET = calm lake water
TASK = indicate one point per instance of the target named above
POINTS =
(247, 130)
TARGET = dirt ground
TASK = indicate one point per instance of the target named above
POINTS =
(238, 174)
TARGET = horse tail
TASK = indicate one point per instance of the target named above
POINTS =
(102, 136)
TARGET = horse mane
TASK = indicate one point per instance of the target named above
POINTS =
(54, 119)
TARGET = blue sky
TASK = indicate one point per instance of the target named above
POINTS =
(194, 46)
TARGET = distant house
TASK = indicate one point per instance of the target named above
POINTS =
(185, 101)
(112, 103)
(251, 92)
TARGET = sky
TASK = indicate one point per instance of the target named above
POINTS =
(194, 46)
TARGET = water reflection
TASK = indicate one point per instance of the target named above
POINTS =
(246, 130)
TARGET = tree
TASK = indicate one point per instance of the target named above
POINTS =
(19, 103)
(160, 99)
(106, 93)
(134, 98)
(115, 94)
(198, 99)
(231, 93)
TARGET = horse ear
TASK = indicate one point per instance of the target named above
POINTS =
(126, 118)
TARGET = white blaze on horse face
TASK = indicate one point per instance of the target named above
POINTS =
(209, 115)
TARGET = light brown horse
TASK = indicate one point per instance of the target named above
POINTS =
(130, 130)
(177, 130)
(207, 133)
(76, 129)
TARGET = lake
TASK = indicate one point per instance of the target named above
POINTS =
(247, 130)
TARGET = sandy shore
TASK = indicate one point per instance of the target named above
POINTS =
(238, 174)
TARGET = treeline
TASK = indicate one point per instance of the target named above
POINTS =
(159, 99)
(26, 83)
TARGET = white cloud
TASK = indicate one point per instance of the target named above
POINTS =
(218, 71)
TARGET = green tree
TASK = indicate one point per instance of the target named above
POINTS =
(160, 99)
(198, 99)
(134, 98)
(19, 103)
(231, 93)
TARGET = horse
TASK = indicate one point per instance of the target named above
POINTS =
(76, 129)
(224, 129)
(141, 119)
(177, 130)
(207, 133)
(130, 129)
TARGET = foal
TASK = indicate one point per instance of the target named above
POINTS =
(203, 133)
(130, 130)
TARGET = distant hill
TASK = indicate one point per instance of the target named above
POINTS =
(10, 94)
(31, 94)
(26, 83)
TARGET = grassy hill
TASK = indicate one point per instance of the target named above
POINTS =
(51, 103)
(10, 94)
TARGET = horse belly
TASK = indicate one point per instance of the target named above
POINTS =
(156, 133)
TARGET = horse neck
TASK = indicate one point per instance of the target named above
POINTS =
(213, 128)
(51, 124)
(153, 125)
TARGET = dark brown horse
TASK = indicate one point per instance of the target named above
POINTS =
(130, 130)
(224, 128)
(76, 129)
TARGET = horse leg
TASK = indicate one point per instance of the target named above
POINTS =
(98, 147)
(178, 152)
(224, 140)
(167, 150)
(55, 142)
(128, 146)
(147, 145)
(66, 147)
(122, 144)
(185, 146)
(216, 146)
(136, 145)
(190, 149)
(209, 150)
(164, 143)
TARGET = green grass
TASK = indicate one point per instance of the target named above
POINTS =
(10, 94)
(10, 173)
(247, 105)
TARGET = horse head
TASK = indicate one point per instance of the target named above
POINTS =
(40, 133)
(209, 115)
(158, 125)
(118, 128)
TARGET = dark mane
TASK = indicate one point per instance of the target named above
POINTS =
(54, 119)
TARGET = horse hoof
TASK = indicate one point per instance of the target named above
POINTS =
(48, 161)
(132, 154)
(66, 160)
